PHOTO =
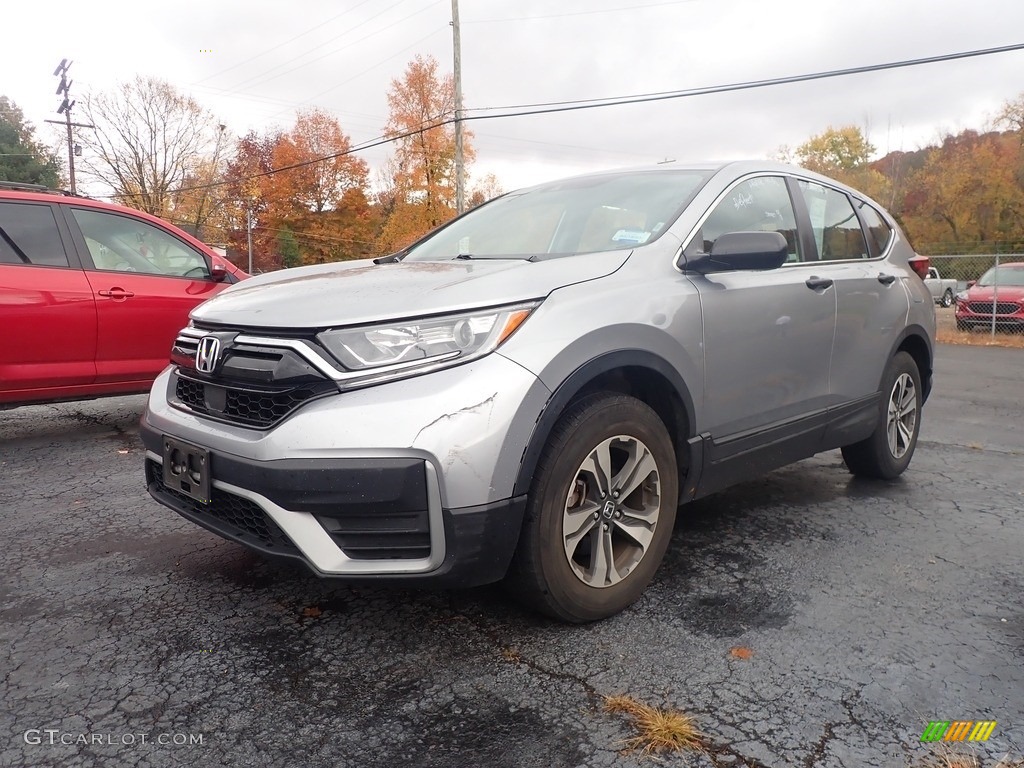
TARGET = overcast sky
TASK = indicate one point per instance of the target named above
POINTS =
(267, 58)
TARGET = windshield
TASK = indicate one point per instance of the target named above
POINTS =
(595, 213)
(1009, 276)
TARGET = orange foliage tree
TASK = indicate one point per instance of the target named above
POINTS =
(307, 195)
(322, 201)
(418, 189)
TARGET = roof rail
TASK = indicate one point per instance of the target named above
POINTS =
(20, 186)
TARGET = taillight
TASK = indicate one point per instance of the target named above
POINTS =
(920, 265)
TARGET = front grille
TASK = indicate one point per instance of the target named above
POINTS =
(190, 393)
(244, 405)
(985, 307)
(251, 385)
(231, 516)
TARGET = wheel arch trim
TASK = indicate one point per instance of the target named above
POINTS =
(573, 384)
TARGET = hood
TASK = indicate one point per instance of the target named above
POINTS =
(1004, 293)
(360, 292)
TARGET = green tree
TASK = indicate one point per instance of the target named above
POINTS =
(22, 158)
(288, 246)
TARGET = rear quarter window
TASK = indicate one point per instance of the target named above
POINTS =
(879, 231)
(28, 235)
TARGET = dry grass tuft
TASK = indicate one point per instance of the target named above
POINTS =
(658, 730)
(947, 333)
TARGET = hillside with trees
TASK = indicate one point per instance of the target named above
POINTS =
(964, 195)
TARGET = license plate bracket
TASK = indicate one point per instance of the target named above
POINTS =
(187, 469)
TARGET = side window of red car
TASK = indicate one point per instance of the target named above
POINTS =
(28, 235)
(124, 244)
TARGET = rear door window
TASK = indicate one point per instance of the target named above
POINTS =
(29, 236)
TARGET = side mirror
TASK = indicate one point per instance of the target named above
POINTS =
(218, 272)
(971, 283)
(741, 251)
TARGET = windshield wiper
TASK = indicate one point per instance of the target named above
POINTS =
(495, 256)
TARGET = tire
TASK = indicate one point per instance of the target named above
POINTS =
(947, 298)
(889, 449)
(565, 576)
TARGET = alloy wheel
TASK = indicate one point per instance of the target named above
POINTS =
(611, 511)
(902, 416)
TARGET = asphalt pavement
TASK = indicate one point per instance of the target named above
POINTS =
(804, 618)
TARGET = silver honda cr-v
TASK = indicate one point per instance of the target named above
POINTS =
(530, 391)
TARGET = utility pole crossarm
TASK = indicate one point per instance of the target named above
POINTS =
(65, 108)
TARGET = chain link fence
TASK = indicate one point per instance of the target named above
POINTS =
(979, 297)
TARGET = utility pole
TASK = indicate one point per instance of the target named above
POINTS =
(460, 163)
(65, 109)
(248, 229)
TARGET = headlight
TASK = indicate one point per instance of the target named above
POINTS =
(397, 349)
(962, 296)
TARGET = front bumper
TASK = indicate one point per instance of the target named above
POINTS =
(1008, 314)
(408, 480)
(358, 519)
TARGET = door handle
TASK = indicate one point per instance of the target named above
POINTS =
(885, 279)
(818, 282)
(117, 293)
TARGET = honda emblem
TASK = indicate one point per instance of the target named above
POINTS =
(207, 354)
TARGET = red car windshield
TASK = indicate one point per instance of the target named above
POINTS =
(1008, 276)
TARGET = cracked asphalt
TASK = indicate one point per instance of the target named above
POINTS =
(869, 609)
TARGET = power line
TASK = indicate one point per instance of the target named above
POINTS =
(279, 45)
(262, 78)
(523, 110)
(581, 13)
(610, 101)
(361, 72)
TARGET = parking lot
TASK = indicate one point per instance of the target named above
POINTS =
(804, 618)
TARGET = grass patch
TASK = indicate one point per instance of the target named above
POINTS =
(947, 333)
(979, 339)
(657, 730)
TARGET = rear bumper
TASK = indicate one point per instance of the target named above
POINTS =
(367, 519)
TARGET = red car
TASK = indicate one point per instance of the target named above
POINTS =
(1003, 286)
(92, 295)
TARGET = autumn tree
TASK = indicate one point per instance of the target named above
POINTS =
(319, 189)
(843, 154)
(485, 189)
(199, 203)
(1012, 116)
(306, 193)
(149, 139)
(418, 192)
(248, 190)
(967, 193)
(22, 158)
